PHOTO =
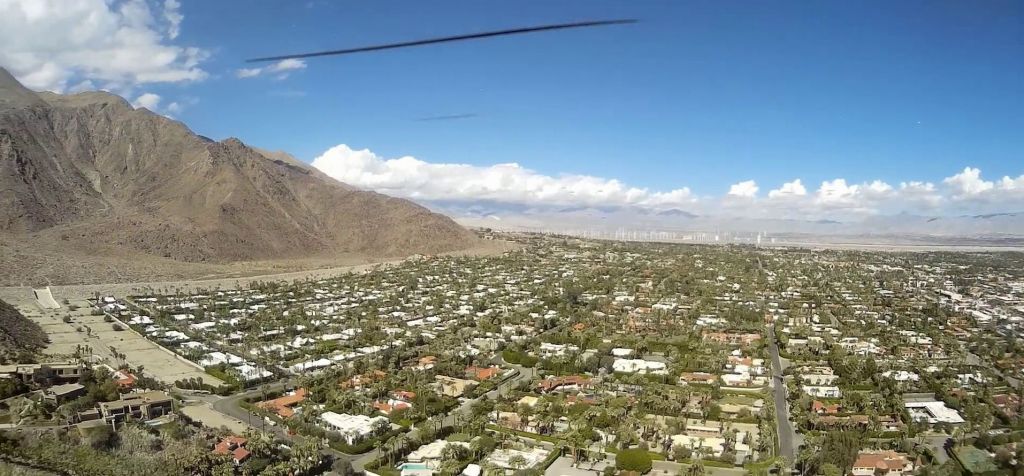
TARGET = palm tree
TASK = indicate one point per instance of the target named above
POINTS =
(517, 462)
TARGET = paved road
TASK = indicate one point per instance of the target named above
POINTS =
(787, 435)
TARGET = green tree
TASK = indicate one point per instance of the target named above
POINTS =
(633, 460)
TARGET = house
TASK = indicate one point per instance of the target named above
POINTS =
(125, 380)
(502, 458)
(822, 391)
(46, 374)
(142, 406)
(732, 338)
(432, 452)
(284, 405)
(391, 405)
(59, 394)
(1007, 403)
(824, 409)
(933, 412)
(353, 428)
(639, 366)
(575, 382)
(233, 446)
(360, 381)
(697, 377)
(482, 373)
(454, 387)
(882, 463)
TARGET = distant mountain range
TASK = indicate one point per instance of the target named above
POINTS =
(999, 225)
(93, 174)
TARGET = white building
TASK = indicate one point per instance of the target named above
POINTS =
(352, 428)
(933, 412)
(640, 366)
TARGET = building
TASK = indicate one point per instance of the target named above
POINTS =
(933, 412)
(284, 405)
(141, 406)
(233, 446)
(822, 391)
(353, 428)
(882, 463)
(571, 382)
(732, 338)
(59, 394)
(639, 366)
(45, 374)
(502, 458)
(454, 387)
(482, 373)
(697, 377)
(125, 380)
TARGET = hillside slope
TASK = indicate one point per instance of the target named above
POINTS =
(17, 333)
(89, 173)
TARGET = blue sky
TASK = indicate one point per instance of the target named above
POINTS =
(698, 95)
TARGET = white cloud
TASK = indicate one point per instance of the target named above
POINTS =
(745, 189)
(789, 189)
(968, 186)
(507, 183)
(248, 72)
(148, 100)
(57, 44)
(968, 183)
(513, 184)
(173, 17)
(280, 69)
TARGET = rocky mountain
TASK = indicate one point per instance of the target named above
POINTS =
(95, 175)
(17, 333)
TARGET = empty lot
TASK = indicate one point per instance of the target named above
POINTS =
(89, 330)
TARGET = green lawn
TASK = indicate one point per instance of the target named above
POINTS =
(973, 460)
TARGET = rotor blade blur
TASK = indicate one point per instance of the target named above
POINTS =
(447, 39)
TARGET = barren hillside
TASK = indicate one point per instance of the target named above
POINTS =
(89, 174)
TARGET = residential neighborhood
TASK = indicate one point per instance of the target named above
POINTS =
(569, 357)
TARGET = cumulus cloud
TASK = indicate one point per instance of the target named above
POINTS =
(513, 184)
(789, 189)
(969, 186)
(57, 45)
(745, 189)
(153, 102)
(507, 183)
(280, 69)
(148, 100)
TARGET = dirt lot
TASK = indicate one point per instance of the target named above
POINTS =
(41, 264)
(204, 413)
(65, 337)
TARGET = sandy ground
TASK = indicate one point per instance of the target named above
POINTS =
(158, 362)
(204, 412)
(291, 271)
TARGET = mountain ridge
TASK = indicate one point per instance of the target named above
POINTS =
(92, 172)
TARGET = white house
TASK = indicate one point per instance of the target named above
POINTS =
(352, 428)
